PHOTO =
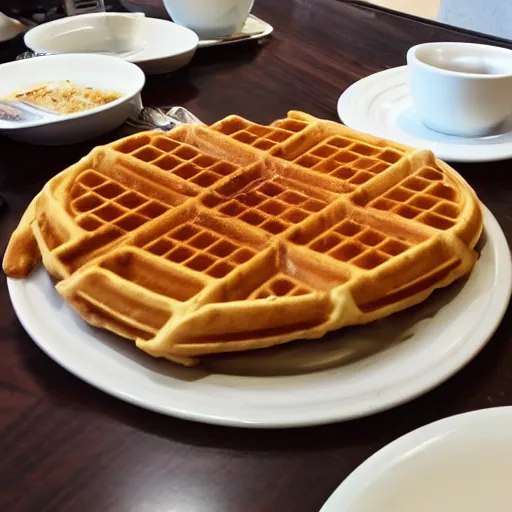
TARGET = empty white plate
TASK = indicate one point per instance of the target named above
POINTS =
(381, 105)
(253, 25)
(459, 464)
(160, 46)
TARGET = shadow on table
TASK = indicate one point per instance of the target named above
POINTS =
(336, 349)
(240, 53)
(182, 87)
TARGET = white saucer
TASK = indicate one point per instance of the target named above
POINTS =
(253, 25)
(459, 464)
(349, 373)
(381, 105)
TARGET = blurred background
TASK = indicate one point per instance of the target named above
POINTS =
(423, 8)
(492, 17)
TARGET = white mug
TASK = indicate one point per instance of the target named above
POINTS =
(210, 18)
(461, 89)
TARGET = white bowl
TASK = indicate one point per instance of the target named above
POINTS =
(458, 464)
(167, 46)
(95, 32)
(461, 89)
(155, 45)
(96, 71)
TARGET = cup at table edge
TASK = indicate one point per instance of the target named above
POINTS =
(210, 19)
(461, 89)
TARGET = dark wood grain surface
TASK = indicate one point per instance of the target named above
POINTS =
(65, 446)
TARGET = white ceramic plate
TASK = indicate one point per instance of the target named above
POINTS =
(156, 45)
(458, 464)
(253, 24)
(350, 373)
(97, 71)
(381, 105)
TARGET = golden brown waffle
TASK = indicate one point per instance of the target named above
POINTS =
(243, 236)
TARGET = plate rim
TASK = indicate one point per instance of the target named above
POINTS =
(343, 107)
(208, 43)
(472, 344)
(372, 467)
(135, 59)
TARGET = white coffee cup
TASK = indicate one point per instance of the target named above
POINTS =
(461, 89)
(210, 18)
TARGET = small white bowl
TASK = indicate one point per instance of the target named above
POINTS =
(156, 46)
(94, 32)
(96, 71)
(458, 464)
(461, 89)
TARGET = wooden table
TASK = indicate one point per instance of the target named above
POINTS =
(66, 446)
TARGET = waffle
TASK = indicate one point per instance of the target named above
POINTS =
(241, 236)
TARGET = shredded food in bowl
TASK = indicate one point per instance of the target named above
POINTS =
(65, 97)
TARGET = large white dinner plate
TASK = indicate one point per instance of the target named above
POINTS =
(350, 373)
(459, 464)
(381, 104)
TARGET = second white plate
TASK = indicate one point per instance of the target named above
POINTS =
(458, 464)
(164, 45)
(350, 373)
(381, 105)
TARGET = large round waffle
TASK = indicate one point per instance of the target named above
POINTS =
(240, 236)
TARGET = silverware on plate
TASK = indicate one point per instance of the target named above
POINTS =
(236, 37)
(18, 111)
(120, 55)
